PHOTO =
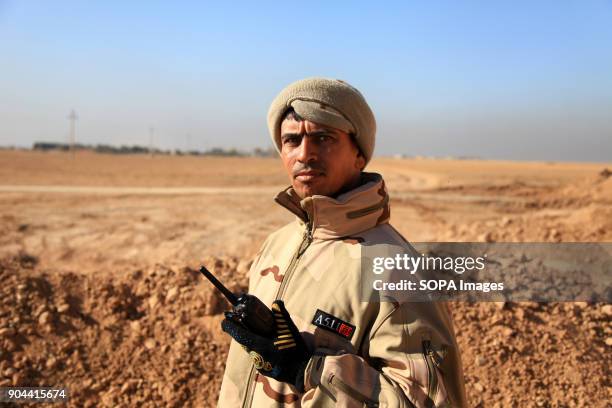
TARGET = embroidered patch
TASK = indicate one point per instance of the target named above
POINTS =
(333, 324)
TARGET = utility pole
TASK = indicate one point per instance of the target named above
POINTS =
(72, 118)
(151, 131)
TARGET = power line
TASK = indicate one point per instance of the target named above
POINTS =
(151, 131)
(72, 118)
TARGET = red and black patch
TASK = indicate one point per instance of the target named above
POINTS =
(333, 324)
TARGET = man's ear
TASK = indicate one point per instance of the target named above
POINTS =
(361, 161)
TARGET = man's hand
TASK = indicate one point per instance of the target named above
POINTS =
(283, 356)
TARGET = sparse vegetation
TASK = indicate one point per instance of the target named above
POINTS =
(135, 149)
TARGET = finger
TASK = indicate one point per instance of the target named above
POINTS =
(238, 333)
(287, 332)
(243, 336)
(281, 315)
(231, 327)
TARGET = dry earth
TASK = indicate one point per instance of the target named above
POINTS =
(100, 294)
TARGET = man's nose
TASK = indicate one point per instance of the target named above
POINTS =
(308, 150)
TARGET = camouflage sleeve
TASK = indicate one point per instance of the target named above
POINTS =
(407, 354)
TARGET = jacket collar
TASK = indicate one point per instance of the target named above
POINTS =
(350, 213)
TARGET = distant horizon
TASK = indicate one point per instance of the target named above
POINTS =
(249, 153)
(520, 81)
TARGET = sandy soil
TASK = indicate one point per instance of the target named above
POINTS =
(100, 294)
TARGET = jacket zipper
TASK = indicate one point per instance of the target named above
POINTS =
(306, 241)
(431, 370)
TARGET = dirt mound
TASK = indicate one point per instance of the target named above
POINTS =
(534, 354)
(137, 340)
(151, 338)
(580, 211)
(596, 188)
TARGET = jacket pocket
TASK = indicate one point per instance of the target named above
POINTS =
(345, 388)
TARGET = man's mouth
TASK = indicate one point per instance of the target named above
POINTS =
(308, 175)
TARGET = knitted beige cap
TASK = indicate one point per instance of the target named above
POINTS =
(329, 102)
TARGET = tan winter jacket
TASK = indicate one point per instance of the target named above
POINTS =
(372, 354)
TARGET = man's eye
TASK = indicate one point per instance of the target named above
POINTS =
(292, 141)
(324, 138)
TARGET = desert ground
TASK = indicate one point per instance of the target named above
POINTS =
(100, 291)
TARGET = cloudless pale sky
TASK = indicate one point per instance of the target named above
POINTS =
(514, 80)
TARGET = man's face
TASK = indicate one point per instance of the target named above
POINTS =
(319, 159)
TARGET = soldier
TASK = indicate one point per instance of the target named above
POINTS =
(329, 347)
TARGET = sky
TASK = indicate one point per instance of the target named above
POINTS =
(509, 80)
